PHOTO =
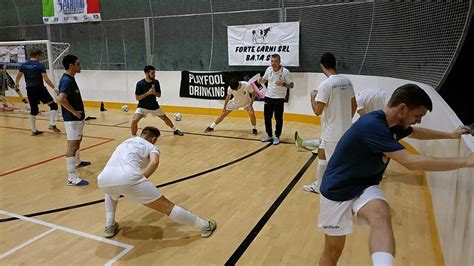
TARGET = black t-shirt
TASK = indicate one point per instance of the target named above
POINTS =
(149, 102)
(68, 85)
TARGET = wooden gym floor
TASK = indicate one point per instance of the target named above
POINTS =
(253, 190)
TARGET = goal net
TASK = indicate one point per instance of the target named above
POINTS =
(14, 53)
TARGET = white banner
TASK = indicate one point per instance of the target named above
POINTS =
(252, 45)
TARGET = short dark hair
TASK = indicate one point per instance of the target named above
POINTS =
(276, 56)
(69, 60)
(412, 96)
(328, 60)
(148, 68)
(35, 52)
(151, 131)
(234, 84)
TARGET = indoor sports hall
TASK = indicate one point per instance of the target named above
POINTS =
(252, 188)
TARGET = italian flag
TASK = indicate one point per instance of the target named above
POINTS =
(70, 11)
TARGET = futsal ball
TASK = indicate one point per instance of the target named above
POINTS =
(125, 108)
(177, 116)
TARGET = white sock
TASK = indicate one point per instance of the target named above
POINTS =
(254, 127)
(71, 167)
(322, 164)
(78, 159)
(312, 142)
(52, 117)
(183, 216)
(382, 259)
(33, 123)
(173, 128)
(213, 125)
(110, 208)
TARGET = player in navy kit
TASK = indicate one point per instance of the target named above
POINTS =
(35, 73)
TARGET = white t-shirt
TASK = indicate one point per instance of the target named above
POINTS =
(242, 95)
(371, 100)
(274, 91)
(336, 92)
(126, 165)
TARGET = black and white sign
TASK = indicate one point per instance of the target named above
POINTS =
(253, 45)
(213, 85)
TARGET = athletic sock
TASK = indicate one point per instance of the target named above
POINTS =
(322, 164)
(183, 216)
(71, 167)
(312, 143)
(77, 158)
(173, 128)
(382, 259)
(52, 117)
(33, 123)
(110, 208)
(213, 125)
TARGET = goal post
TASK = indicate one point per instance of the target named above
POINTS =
(53, 52)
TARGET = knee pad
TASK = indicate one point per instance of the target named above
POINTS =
(53, 106)
(34, 110)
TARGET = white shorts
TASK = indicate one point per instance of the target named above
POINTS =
(335, 217)
(74, 129)
(145, 112)
(328, 147)
(231, 105)
(142, 193)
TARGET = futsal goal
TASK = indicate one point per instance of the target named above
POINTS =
(14, 53)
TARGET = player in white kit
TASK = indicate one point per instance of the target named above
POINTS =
(243, 96)
(335, 102)
(127, 173)
(368, 100)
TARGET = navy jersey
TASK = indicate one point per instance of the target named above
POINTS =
(359, 161)
(149, 102)
(68, 85)
(33, 71)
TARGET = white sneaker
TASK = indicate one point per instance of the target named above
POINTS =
(276, 140)
(267, 138)
(313, 187)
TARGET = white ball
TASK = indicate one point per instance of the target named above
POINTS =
(177, 116)
(125, 108)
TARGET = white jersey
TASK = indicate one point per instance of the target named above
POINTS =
(242, 95)
(336, 92)
(126, 165)
(274, 91)
(371, 100)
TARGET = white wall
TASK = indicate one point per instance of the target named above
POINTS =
(452, 191)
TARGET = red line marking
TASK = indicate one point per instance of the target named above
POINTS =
(51, 159)
(85, 136)
(54, 158)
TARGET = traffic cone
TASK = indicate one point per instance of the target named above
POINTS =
(102, 107)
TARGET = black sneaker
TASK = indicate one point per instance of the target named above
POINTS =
(208, 129)
(178, 133)
(36, 133)
(54, 128)
(254, 131)
(83, 164)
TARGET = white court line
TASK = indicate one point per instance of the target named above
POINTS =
(75, 232)
(13, 250)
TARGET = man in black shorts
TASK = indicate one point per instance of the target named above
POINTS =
(34, 73)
